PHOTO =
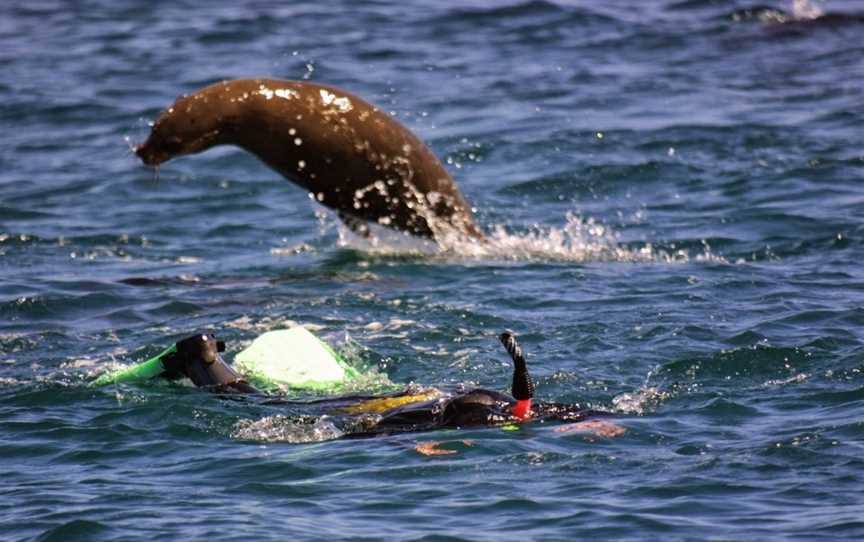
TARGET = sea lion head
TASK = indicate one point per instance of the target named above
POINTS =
(192, 125)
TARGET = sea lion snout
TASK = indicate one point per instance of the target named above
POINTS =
(151, 154)
(143, 152)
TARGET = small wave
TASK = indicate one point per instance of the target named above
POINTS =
(77, 529)
(579, 240)
(147, 282)
(768, 365)
(280, 428)
(498, 11)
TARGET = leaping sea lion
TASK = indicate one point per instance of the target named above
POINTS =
(350, 155)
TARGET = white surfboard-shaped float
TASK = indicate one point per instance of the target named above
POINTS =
(295, 358)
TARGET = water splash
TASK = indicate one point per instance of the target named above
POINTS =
(806, 9)
(579, 240)
(280, 428)
(802, 10)
(645, 399)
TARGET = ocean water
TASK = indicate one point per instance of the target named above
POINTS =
(674, 189)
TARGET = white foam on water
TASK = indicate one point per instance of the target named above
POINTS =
(802, 10)
(806, 9)
(578, 240)
(264, 324)
(780, 382)
(644, 399)
(640, 401)
(279, 428)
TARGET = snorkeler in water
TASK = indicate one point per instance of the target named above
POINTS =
(197, 357)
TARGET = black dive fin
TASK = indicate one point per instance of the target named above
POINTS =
(523, 386)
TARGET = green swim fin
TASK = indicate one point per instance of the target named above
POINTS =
(145, 370)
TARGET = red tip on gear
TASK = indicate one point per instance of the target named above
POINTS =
(522, 409)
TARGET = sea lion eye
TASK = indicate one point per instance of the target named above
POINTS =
(172, 145)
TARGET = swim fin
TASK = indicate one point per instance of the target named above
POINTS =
(523, 386)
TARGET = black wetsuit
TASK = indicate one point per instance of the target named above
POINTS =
(477, 407)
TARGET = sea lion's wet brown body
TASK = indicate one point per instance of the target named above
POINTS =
(350, 155)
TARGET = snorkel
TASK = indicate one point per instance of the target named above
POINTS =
(198, 359)
(523, 386)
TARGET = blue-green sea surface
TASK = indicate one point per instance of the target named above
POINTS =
(674, 193)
